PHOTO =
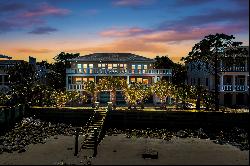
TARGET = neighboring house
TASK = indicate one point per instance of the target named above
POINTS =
(4, 76)
(5, 65)
(233, 78)
(40, 69)
(131, 67)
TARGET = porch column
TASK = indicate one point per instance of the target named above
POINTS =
(233, 82)
(246, 65)
(221, 82)
(220, 65)
(128, 80)
(245, 83)
(67, 83)
(160, 78)
(155, 79)
(3, 81)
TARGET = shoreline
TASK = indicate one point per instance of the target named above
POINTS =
(119, 150)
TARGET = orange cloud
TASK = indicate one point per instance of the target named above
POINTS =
(33, 51)
(123, 32)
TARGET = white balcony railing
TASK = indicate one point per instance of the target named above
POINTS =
(75, 86)
(167, 72)
(233, 69)
(234, 88)
(80, 87)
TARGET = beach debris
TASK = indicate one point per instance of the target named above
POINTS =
(31, 130)
(182, 134)
(150, 154)
(235, 136)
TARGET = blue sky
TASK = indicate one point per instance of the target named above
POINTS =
(44, 28)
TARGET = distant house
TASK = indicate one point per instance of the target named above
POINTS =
(131, 67)
(233, 78)
(4, 76)
(5, 65)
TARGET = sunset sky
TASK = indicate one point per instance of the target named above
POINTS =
(44, 28)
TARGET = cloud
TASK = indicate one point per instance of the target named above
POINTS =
(44, 10)
(175, 35)
(43, 30)
(123, 32)
(241, 3)
(10, 7)
(132, 3)
(184, 3)
(214, 16)
(30, 17)
(33, 51)
(192, 33)
(125, 45)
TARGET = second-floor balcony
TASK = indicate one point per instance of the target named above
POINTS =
(236, 88)
(233, 69)
(81, 87)
(97, 71)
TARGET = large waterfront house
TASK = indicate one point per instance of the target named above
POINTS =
(131, 67)
(233, 78)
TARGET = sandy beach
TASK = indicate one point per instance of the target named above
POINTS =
(119, 150)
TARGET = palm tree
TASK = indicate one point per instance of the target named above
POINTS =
(162, 89)
(92, 89)
(183, 93)
(134, 94)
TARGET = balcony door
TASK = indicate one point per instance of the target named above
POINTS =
(104, 97)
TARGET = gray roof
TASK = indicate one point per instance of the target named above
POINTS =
(10, 62)
(113, 57)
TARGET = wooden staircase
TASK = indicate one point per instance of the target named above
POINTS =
(95, 129)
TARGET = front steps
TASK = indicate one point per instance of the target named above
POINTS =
(95, 129)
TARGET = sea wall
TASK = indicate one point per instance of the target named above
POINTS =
(175, 119)
(144, 119)
(10, 115)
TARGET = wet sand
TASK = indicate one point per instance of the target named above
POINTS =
(119, 150)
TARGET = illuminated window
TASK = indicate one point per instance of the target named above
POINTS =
(139, 80)
(121, 65)
(139, 67)
(132, 79)
(91, 79)
(125, 66)
(84, 79)
(145, 67)
(79, 66)
(99, 65)
(133, 67)
(90, 68)
(85, 66)
(109, 66)
(78, 80)
(145, 81)
(114, 65)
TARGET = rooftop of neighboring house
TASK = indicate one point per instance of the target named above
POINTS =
(10, 62)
